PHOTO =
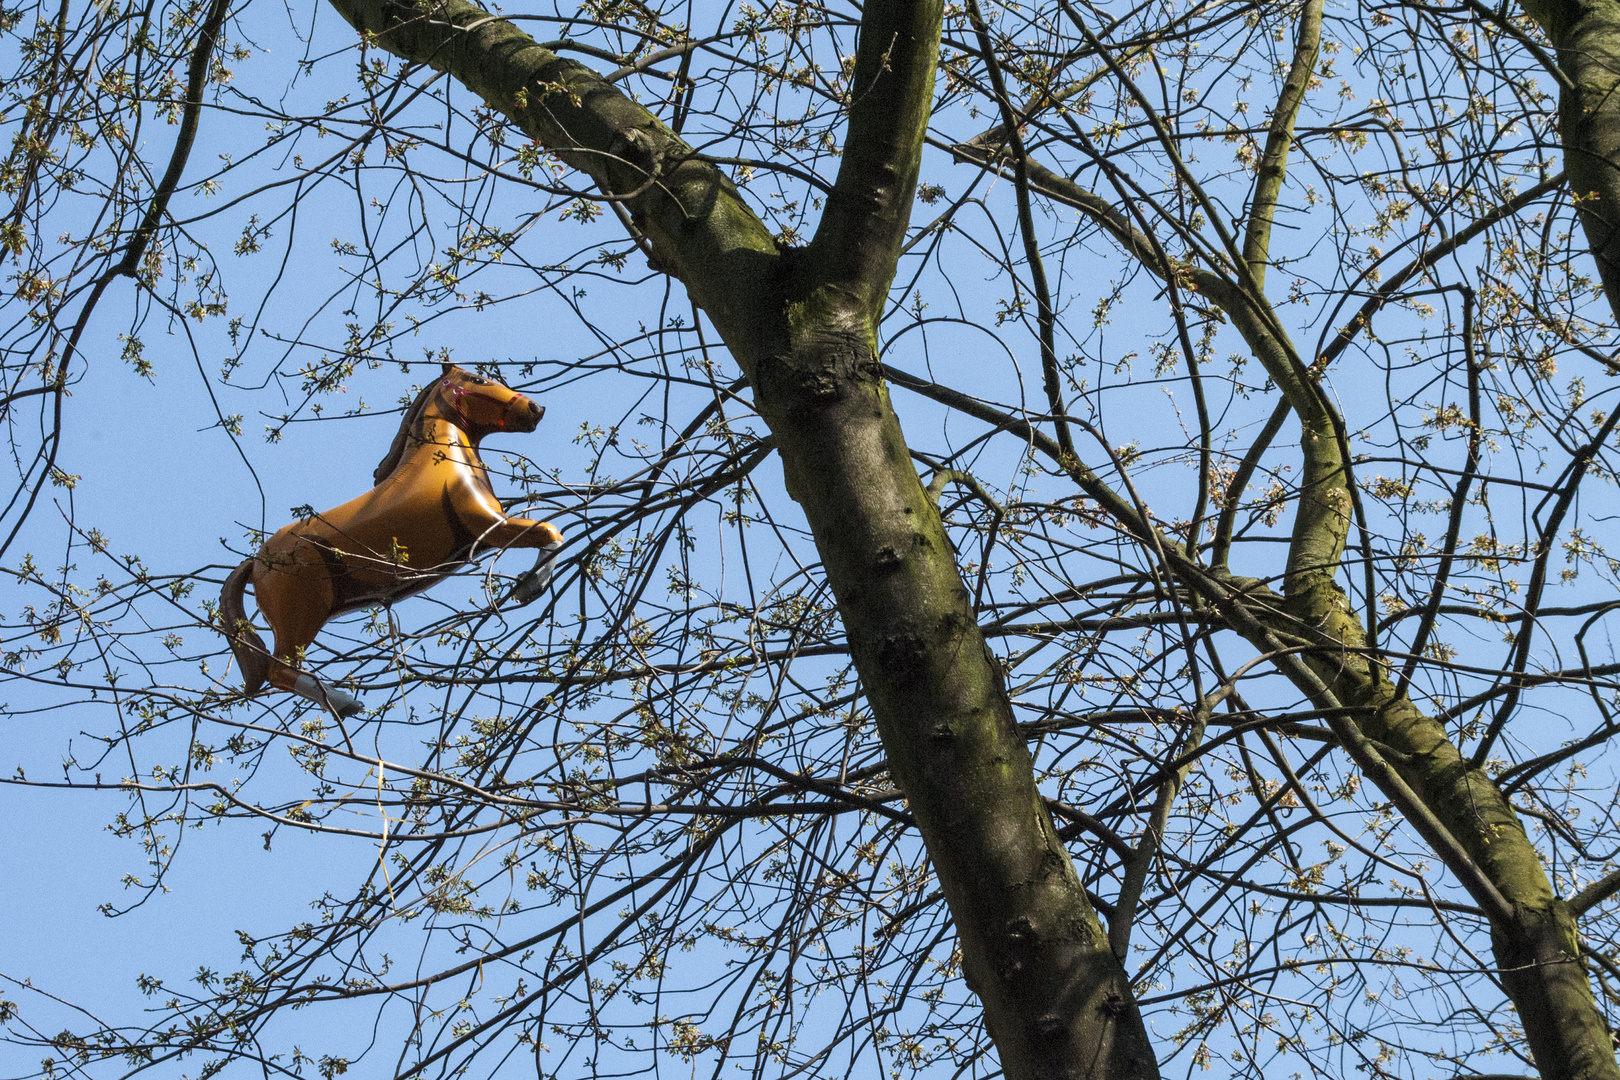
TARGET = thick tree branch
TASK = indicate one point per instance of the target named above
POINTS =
(1458, 810)
(1586, 39)
(864, 224)
(691, 213)
(1268, 178)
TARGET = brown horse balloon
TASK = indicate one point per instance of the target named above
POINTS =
(432, 511)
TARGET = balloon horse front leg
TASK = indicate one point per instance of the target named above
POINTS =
(531, 583)
(432, 510)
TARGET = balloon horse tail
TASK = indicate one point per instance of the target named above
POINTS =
(255, 660)
(251, 655)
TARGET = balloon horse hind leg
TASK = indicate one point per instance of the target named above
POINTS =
(308, 686)
(297, 600)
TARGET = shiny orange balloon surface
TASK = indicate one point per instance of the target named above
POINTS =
(432, 511)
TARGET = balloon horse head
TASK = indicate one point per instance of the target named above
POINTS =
(432, 510)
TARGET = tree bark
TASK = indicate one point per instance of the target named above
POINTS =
(802, 325)
(1586, 36)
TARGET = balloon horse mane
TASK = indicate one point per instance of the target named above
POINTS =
(431, 511)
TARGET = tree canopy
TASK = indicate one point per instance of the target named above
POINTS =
(1087, 532)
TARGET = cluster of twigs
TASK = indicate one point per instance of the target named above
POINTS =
(646, 824)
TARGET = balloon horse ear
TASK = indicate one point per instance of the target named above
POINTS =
(447, 365)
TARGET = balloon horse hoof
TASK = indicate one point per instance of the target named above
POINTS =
(532, 582)
(432, 511)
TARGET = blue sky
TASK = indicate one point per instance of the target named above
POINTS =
(162, 479)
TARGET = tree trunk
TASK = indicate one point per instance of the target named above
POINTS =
(1056, 1000)
(802, 325)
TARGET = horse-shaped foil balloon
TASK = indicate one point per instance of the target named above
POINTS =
(432, 511)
